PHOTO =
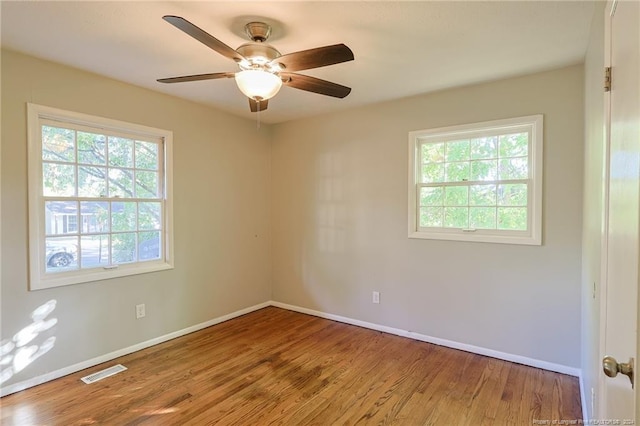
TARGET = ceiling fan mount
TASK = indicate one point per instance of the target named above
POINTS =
(258, 31)
(262, 69)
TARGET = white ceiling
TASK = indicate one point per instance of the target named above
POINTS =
(401, 48)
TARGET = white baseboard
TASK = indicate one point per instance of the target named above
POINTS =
(34, 381)
(558, 368)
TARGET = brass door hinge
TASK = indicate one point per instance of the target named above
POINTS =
(607, 79)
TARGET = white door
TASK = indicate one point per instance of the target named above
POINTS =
(622, 53)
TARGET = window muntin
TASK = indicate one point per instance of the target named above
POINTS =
(479, 182)
(100, 198)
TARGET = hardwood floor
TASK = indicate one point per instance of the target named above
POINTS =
(279, 367)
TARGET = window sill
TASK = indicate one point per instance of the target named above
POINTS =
(477, 237)
(74, 277)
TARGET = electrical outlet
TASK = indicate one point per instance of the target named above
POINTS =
(376, 297)
(140, 311)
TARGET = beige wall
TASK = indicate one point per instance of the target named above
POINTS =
(339, 223)
(221, 217)
(593, 207)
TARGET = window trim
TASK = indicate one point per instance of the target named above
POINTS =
(38, 278)
(533, 236)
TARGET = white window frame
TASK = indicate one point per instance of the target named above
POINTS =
(533, 235)
(39, 278)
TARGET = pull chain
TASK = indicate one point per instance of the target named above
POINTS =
(258, 115)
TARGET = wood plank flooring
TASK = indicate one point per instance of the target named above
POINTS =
(276, 367)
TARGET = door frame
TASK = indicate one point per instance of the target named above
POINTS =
(601, 392)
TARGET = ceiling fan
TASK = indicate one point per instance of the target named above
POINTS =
(263, 70)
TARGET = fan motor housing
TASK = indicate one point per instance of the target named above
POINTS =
(258, 50)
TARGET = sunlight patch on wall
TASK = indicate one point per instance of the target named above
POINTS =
(23, 349)
(330, 204)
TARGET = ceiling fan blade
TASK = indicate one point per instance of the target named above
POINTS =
(258, 106)
(203, 37)
(197, 77)
(315, 85)
(315, 58)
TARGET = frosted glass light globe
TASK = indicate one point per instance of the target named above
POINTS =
(257, 84)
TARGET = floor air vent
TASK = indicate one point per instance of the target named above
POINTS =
(92, 378)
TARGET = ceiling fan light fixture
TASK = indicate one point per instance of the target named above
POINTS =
(263, 70)
(258, 85)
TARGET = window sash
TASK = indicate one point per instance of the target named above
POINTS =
(496, 205)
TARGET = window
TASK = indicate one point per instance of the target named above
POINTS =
(477, 182)
(99, 198)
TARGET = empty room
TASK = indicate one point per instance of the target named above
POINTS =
(327, 213)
